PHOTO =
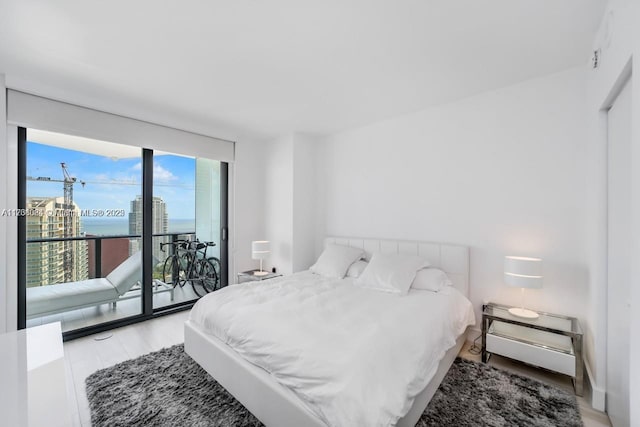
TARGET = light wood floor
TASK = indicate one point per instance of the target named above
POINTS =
(86, 355)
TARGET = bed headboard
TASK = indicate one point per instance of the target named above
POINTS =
(452, 259)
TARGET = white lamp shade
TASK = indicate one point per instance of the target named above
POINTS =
(260, 249)
(523, 272)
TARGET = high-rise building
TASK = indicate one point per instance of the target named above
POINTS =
(160, 220)
(45, 261)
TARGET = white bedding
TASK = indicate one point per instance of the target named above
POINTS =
(354, 356)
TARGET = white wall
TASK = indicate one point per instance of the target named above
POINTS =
(3, 204)
(503, 172)
(304, 201)
(247, 210)
(634, 374)
(619, 42)
(278, 184)
(290, 202)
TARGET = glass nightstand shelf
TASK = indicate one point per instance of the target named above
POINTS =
(550, 341)
(250, 276)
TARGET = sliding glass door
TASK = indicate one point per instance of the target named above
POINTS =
(187, 204)
(82, 265)
(108, 233)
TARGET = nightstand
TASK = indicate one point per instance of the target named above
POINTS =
(551, 341)
(249, 276)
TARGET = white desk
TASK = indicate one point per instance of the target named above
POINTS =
(32, 378)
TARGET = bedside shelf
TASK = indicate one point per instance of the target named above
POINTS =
(250, 276)
(551, 341)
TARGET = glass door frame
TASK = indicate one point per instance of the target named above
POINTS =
(147, 309)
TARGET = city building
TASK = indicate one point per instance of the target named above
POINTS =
(45, 261)
(160, 222)
(113, 252)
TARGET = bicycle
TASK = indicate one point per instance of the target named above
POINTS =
(190, 263)
(174, 269)
(203, 269)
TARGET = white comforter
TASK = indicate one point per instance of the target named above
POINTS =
(356, 357)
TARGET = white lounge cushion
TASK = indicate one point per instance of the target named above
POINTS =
(127, 274)
(45, 299)
(72, 295)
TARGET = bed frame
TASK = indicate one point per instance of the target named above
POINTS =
(276, 405)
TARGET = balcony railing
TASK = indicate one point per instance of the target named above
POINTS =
(97, 248)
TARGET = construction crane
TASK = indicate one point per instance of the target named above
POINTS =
(67, 258)
(68, 185)
(68, 182)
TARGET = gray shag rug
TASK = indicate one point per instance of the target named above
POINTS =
(473, 394)
(167, 388)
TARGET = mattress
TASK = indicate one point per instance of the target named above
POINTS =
(353, 356)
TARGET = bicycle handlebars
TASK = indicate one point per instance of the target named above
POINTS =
(186, 244)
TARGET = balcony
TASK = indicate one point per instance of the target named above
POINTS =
(95, 257)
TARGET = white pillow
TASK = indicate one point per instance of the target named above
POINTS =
(391, 272)
(335, 259)
(356, 269)
(431, 279)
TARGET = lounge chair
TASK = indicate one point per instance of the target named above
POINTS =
(62, 297)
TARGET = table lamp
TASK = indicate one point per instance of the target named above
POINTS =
(523, 272)
(260, 250)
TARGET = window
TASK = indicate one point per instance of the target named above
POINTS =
(87, 241)
(87, 219)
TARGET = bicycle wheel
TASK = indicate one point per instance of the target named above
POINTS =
(197, 284)
(191, 273)
(216, 267)
(208, 275)
(172, 273)
(169, 272)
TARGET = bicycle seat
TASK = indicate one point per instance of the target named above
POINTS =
(200, 245)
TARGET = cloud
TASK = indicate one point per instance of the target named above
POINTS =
(163, 175)
(159, 173)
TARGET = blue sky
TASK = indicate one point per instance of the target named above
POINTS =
(174, 179)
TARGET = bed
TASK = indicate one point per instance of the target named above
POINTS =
(295, 388)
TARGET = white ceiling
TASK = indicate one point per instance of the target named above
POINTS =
(271, 67)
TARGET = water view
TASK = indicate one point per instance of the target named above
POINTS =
(120, 226)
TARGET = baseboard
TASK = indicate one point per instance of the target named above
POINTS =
(472, 334)
(598, 395)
